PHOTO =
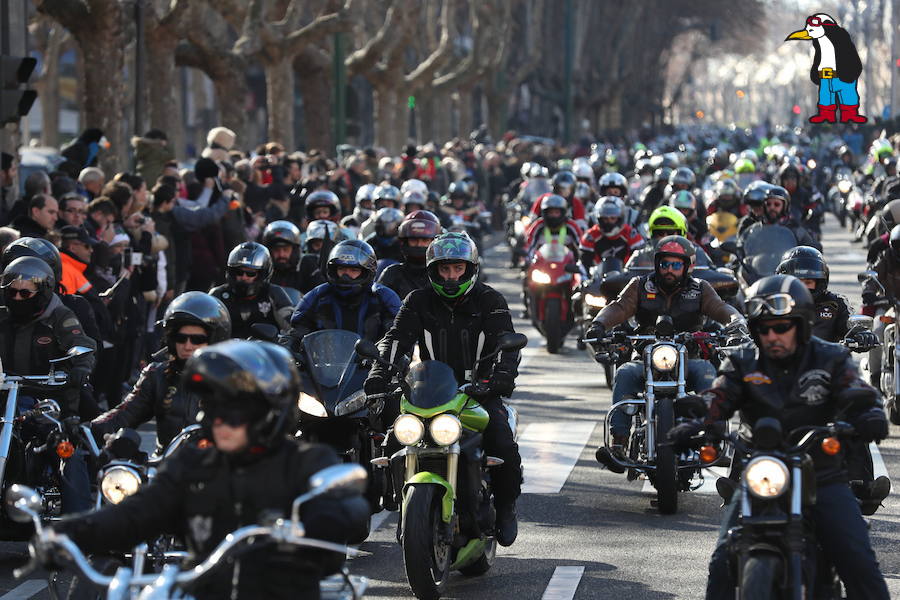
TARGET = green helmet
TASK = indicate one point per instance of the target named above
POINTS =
(668, 219)
(452, 247)
(744, 165)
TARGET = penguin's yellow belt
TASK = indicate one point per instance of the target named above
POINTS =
(827, 74)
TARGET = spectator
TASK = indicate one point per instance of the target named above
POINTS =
(40, 218)
(8, 171)
(83, 150)
(91, 180)
(75, 253)
(219, 141)
(151, 154)
(72, 210)
(101, 216)
(7, 236)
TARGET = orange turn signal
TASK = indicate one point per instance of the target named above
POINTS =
(708, 454)
(831, 446)
(204, 443)
(886, 319)
(65, 449)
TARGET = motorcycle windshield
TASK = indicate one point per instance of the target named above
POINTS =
(765, 244)
(328, 352)
(431, 384)
(553, 252)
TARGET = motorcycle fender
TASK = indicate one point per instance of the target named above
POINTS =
(426, 478)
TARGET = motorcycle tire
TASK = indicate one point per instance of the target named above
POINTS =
(759, 580)
(484, 562)
(553, 326)
(82, 588)
(666, 475)
(893, 412)
(609, 369)
(425, 559)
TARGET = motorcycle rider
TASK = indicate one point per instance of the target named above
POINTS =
(282, 238)
(348, 300)
(727, 196)
(652, 195)
(192, 321)
(686, 203)
(323, 204)
(320, 238)
(668, 290)
(413, 200)
(552, 226)
(456, 320)
(681, 178)
(887, 268)
(416, 232)
(799, 379)
(563, 184)
(247, 293)
(755, 200)
(611, 236)
(778, 212)
(253, 469)
(363, 210)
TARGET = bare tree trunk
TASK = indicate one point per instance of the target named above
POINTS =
(312, 70)
(401, 123)
(49, 90)
(425, 116)
(164, 103)
(383, 115)
(465, 112)
(443, 117)
(280, 101)
(103, 94)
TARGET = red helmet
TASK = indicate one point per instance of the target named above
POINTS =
(678, 247)
(419, 224)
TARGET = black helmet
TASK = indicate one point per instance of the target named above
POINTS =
(678, 247)
(613, 181)
(890, 215)
(684, 200)
(662, 174)
(351, 253)
(246, 382)
(30, 246)
(610, 207)
(387, 221)
(197, 308)
(248, 256)
(788, 170)
(805, 262)
(728, 193)
(755, 194)
(324, 198)
(551, 201)
(420, 224)
(682, 176)
(776, 191)
(895, 241)
(564, 183)
(386, 193)
(452, 247)
(279, 233)
(781, 297)
(34, 269)
(459, 189)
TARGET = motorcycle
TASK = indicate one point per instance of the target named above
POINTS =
(664, 401)
(890, 348)
(760, 251)
(589, 299)
(23, 504)
(551, 278)
(29, 453)
(447, 514)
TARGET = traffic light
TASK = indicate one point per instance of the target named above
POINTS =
(15, 99)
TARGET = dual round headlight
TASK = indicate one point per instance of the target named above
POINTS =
(119, 482)
(444, 429)
(766, 477)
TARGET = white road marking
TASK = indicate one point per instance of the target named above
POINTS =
(549, 452)
(877, 461)
(563, 584)
(26, 590)
(377, 520)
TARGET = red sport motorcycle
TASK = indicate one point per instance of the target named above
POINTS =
(550, 279)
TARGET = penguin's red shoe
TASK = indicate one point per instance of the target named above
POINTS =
(827, 114)
(850, 114)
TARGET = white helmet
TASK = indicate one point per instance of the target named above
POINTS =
(414, 185)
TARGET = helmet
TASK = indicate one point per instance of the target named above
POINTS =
(414, 185)
(452, 247)
(667, 219)
(537, 170)
(278, 233)
(755, 194)
(805, 262)
(613, 180)
(882, 148)
(727, 192)
(744, 165)
(30, 246)
(551, 201)
(322, 230)
(386, 193)
(413, 198)
(525, 169)
(253, 256)
(351, 253)
(197, 308)
(324, 198)
(610, 207)
(365, 193)
(679, 247)
(684, 200)
(781, 296)
(895, 241)
(776, 191)
(682, 176)
(890, 216)
(420, 224)
(36, 270)
(255, 382)
(890, 162)
(387, 220)
(458, 189)
(564, 183)
(583, 192)
(662, 174)
(788, 170)
(583, 171)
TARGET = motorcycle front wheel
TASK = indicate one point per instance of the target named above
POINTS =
(666, 476)
(760, 576)
(553, 325)
(484, 563)
(426, 556)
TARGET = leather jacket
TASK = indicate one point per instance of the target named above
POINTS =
(403, 278)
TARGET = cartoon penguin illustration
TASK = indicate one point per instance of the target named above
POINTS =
(835, 69)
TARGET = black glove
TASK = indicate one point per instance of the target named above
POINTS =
(871, 425)
(861, 340)
(375, 384)
(869, 298)
(502, 383)
(76, 378)
(682, 433)
(596, 330)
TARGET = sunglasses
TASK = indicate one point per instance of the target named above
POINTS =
(24, 293)
(231, 416)
(675, 265)
(774, 304)
(244, 273)
(194, 338)
(763, 329)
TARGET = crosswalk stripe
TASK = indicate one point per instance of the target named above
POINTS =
(25, 590)
(549, 452)
(877, 461)
(563, 584)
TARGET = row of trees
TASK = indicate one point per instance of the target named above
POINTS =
(500, 62)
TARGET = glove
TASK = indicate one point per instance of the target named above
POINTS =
(76, 378)
(375, 384)
(502, 383)
(871, 425)
(596, 330)
(862, 340)
(682, 433)
(869, 298)
(736, 329)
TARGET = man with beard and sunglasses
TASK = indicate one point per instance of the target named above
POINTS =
(192, 321)
(801, 380)
(668, 290)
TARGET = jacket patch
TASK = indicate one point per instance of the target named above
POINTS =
(814, 385)
(73, 322)
(757, 378)
(826, 313)
(44, 340)
(650, 287)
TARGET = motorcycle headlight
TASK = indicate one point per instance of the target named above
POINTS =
(595, 301)
(766, 477)
(664, 358)
(356, 401)
(311, 406)
(844, 186)
(409, 429)
(445, 429)
(540, 277)
(119, 482)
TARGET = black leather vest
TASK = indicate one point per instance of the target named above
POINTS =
(683, 305)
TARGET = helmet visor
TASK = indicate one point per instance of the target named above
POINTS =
(775, 304)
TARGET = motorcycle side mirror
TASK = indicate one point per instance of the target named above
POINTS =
(125, 444)
(264, 331)
(730, 248)
(366, 348)
(572, 268)
(767, 434)
(865, 275)
(23, 504)
(512, 342)
(665, 326)
(337, 481)
(859, 321)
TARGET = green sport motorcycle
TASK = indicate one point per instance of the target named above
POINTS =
(442, 473)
